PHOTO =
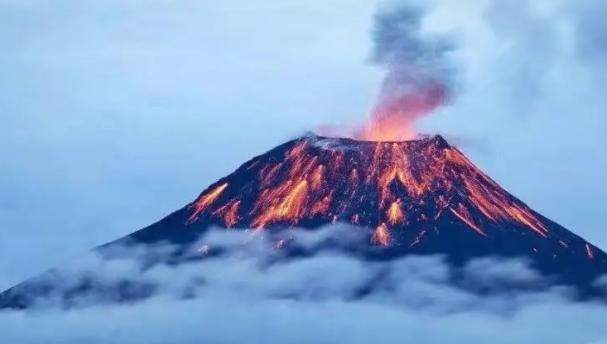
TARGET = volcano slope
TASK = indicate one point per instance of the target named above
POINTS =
(418, 197)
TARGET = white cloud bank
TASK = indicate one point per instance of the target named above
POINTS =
(253, 294)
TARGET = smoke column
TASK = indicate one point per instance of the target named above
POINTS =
(418, 75)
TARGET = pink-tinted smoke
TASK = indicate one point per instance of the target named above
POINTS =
(418, 77)
(396, 112)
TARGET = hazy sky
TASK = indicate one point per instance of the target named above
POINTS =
(115, 113)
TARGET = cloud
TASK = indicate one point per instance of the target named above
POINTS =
(242, 290)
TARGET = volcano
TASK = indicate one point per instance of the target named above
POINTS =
(417, 197)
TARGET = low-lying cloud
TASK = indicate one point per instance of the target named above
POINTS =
(244, 290)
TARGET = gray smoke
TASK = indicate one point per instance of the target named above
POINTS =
(411, 58)
(419, 74)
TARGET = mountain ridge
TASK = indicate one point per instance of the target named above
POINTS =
(417, 197)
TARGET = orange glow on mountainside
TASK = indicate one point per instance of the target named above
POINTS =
(395, 213)
(285, 202)
(386, 186)
(203, 202)
(463, 215)
(381, 236)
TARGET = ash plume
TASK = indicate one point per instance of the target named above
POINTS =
(418, 72)
(409, 57)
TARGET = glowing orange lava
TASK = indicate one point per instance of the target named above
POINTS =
(395, 213)
(463, 214)
(283, 203)
(205, 200)
(381, 185)
(229, 212)
(303, 193)
(381, 236)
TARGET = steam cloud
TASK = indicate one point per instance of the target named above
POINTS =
(253, 294)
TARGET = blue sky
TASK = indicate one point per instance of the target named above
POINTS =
(115, 113)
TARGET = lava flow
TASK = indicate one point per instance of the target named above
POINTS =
(389, 178)
(399, 193)
(399, 199)
(404, 190)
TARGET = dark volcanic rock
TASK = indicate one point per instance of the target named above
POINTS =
(420, 197)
